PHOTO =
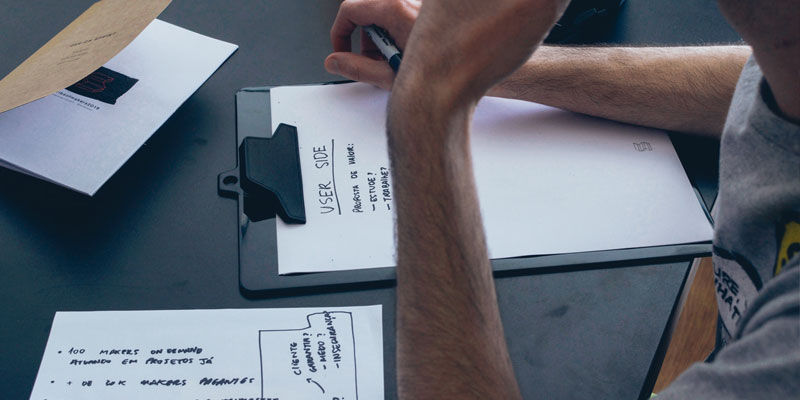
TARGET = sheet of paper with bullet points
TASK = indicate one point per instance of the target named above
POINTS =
(289, 353)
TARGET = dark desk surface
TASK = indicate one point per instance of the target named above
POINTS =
(157, 236)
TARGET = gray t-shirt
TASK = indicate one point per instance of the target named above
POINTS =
(756, 255)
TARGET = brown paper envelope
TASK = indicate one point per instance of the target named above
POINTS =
(84, 45)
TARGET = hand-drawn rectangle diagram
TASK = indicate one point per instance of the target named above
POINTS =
(318, 360)
(254, 354)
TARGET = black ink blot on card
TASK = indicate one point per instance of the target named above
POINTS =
(103, 85)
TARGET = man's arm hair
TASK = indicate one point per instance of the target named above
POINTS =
(450, 341)
(686, 89)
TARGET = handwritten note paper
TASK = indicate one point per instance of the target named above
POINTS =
(549, 181)
(267, 354)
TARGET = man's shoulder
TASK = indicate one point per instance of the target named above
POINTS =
(763, 361)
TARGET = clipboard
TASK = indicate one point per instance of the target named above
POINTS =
(267, 184)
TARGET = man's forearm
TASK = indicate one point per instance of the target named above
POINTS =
(450, 341)
(687, 89)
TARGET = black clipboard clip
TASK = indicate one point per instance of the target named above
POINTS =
(267, 184)
(267, 180)
(268, 177)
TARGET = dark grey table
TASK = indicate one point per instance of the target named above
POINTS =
(157, 236)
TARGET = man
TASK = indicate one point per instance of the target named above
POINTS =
(458, 50)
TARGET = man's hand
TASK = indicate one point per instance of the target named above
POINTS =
(463, 47)
(396, 16)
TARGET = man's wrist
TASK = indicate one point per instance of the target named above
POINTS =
(433, 102)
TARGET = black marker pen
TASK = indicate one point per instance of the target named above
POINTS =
(385, 45)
